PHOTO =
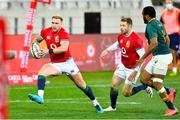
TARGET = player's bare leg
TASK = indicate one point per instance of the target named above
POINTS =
(130, 89)
(127, 90)
(78, 80)
(116, 81)
(45, 71)
(48, 70)
(146, 79)
(156, 82)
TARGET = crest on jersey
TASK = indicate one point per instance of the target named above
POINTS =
(128, 44)
(57, 39)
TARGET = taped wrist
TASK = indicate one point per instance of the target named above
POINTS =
(51, 51)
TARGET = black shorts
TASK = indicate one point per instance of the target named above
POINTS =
(174, 41)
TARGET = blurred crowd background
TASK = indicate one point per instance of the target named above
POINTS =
(80, 16)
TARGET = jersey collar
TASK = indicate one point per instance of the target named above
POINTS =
(152, 20)
(129, 33)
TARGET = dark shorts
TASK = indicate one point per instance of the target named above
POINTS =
(174, 41)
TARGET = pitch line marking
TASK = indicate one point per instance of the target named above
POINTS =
(71, 101)
(73, 86)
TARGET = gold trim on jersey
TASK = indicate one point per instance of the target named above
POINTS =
(57, 39)
(128, 44)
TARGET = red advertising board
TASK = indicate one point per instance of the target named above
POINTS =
(45, 1)
(3, 76)
(85, 50)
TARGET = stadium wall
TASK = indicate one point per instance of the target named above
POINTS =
(3, 78)
(85, 50)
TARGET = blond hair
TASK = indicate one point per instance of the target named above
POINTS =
(57, 17)
(127, 19)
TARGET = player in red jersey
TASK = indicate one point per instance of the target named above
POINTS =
(57, 40)
(127, 71)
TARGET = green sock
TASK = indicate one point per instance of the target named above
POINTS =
(89, 93)
(170, 105)
(113, 97)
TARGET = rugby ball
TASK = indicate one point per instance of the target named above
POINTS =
(35, 50)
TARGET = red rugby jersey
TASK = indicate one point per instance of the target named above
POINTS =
(53, 41)
(129, 45)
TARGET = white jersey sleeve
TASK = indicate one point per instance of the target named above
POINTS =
(140, 52)
(113, 47)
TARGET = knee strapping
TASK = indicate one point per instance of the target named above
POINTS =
(157, 80)
(162, 93)
(162, 90)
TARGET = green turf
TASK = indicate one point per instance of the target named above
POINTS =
(63, 100)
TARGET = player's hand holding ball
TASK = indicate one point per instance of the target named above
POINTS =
(43, 52)
(38, 52)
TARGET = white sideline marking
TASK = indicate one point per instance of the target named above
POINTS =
(54, 87)
(73, 86)
(71, 101)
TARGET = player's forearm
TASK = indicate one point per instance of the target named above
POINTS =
(60, 49)
(140, 52)
(167, 40)
(38, 39)
(64, 45)
(149, 50)
(137, 68)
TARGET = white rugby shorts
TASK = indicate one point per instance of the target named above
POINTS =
(68, 67)
(159, 64)
(123, 73)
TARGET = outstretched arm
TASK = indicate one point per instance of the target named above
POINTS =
(64, 45)
(63, 48)
(38, 38)
(140, 52)
(167, 40)
(113, 47)
(151, 48)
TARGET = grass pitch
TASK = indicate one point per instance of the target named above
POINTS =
(63, 100)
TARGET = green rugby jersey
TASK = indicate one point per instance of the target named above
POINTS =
(155, 28)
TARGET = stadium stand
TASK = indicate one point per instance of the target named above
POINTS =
(73, 13)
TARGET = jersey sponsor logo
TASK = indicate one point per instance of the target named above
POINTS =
(53, 46)
(48, 37)
(128, 44)
(57, 39)
(123, 51)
